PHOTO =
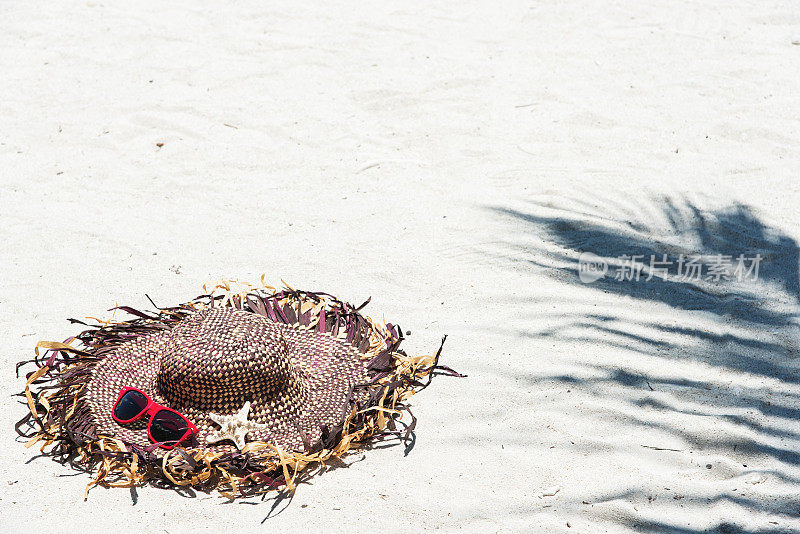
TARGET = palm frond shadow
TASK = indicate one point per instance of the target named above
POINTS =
(744, 332)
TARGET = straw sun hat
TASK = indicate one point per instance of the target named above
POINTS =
(271, 383)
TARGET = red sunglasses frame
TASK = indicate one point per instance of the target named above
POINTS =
(150, 411)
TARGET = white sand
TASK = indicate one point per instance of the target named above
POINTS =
(359, 148)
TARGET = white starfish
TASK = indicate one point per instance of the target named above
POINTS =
(234, 427)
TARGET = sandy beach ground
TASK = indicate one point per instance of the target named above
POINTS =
(452, 161)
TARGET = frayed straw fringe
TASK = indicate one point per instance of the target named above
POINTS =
(60, 421)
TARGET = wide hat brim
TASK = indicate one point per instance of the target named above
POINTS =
(69, 395)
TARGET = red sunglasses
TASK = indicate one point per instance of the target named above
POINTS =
(165, 427)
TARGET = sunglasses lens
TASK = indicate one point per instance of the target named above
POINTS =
(168, 426)
(130, 405)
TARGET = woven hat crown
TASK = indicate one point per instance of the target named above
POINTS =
(217, 359)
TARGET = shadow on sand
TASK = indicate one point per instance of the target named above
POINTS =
(742, 329)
